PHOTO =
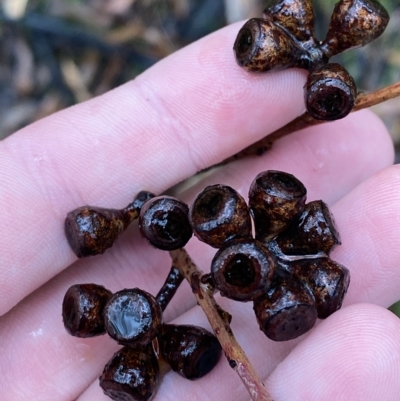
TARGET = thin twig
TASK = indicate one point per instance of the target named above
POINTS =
(217, 318)
(363, 101)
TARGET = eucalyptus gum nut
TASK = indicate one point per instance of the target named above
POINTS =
(132, 316)
(164, 222)
(275, 199)
(219, 214)
(262, 46)
(82, 309)
(242, 269)
(314, 232)
(354, 23)
(329, 92)
(191, 351)
(326, 279)
(286, 310)
(91, 230)
(297, 16)
(131, 375)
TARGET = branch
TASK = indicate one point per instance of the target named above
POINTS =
(305, 120)
(217, 318)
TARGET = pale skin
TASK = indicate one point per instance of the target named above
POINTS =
(186, 113)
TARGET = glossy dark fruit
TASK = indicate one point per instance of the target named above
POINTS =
(242, 269)
(326, 279)
(275, 199)
(286, 310)
(354, 23)
(262, 46)
(169, 288)
(314, 232)
(219, 214)
(132, 316)
(91, 230)
(131, 375)
(191, 351)
(164, 222)
(297, 16)
(82, 309)
(329, 92)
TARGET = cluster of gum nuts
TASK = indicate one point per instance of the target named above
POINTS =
(285, 37)
(283, 267)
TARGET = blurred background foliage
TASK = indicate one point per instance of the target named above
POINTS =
(55, 53)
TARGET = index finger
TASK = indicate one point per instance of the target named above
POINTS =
(188, 112)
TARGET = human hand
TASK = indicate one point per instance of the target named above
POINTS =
(188, 112)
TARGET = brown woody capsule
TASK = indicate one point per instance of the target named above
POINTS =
(132, 316)
(329, 92)
(191, 351)
(297, 16)
(82, 309)
(262, 46)
(354, 23)
(164, 222)
(327, 280)
(131, 375)
(92, 230)
(312, 233)
(242, 269)
(219, 214)
(275, 199)
(286, 310)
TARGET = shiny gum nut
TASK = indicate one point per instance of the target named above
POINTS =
(82, 309)
(262, 46)
(219, 214)
(286, 310)
(131, 375)
(312, 233)
(91, 230)
(297, 16)
(327, 280)
(329, 92)
(132, 316)
(242, 269)
(191, 351)
(275, 199)
(354, 23)
(164, 222)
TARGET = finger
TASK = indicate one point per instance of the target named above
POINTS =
(128, 265)
(351, 356)
(187, 112)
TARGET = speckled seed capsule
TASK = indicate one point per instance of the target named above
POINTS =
(297, 16)
(242, 269)
(275, 199)
(131, 375)
(262, 46)
(354, 23)
(327, 280)
(82, 309)
(191, 351)
(314, 232)
(91, 230)
(164, 222)
(329, 92)
(219, 214)
(287, 310)
(132, 316)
